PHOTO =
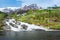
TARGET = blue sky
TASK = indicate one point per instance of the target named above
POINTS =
(19, 3)
(10, 3)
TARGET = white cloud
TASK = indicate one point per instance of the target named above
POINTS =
(27, 2)
(43, 3)
(57, 2)
(1, 9)
(13, 8)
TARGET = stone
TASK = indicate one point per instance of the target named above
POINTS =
(24, 26)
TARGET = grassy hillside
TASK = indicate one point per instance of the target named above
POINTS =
(47, 18)
(2, 17)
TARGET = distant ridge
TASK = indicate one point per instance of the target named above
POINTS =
(12, 8)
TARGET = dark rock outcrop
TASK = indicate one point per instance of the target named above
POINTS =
(24, 26)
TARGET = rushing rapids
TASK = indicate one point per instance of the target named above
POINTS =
(12, 24)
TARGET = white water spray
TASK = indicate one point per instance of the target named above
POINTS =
(21, 26)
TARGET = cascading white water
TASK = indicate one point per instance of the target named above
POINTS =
(21, 26)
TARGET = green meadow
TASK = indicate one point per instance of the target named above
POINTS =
(45, 17)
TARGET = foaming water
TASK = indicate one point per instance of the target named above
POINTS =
(11, 24)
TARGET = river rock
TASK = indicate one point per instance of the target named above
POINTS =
(24, 26)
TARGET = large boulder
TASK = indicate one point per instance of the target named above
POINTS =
(24, 26)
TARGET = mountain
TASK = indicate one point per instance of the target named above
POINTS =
(9, 8)
(19, 10)
(32, 6)
(26, 8)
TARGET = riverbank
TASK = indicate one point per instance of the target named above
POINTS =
(47, 18)
(13, 25)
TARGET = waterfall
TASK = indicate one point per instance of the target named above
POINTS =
(21, 26)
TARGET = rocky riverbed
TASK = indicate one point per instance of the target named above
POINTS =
(12, 24)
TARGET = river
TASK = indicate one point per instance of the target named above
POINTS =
(30, 35)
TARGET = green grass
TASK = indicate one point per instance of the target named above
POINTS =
(2, 17)
(47, 18)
